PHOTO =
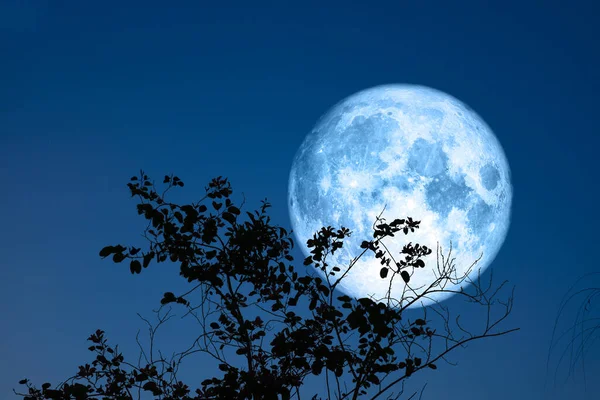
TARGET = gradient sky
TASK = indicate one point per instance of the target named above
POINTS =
(92, 92)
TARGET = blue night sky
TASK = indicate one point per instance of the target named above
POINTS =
(92, 92)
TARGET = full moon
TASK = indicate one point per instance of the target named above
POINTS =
(409, 151)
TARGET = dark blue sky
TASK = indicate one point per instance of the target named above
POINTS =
(91, 93)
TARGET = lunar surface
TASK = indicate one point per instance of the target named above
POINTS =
(415, 152)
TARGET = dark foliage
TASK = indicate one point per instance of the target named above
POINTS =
(238, 265)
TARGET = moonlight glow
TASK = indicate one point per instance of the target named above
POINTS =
(418, 152)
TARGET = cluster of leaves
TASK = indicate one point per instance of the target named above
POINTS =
(240, 267)
(413, 254)
(107, 378)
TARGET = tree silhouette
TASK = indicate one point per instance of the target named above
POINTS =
(267, 326)
(583, 329)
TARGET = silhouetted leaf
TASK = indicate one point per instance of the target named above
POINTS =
(147, 258)
(168, 297)
(383, 272)
(135, 267)
(317, 367)
(106, 251)
(405, 276)
(313, 304)
(151, 386)
(227, 216)
(141, 377)
(178, 216)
